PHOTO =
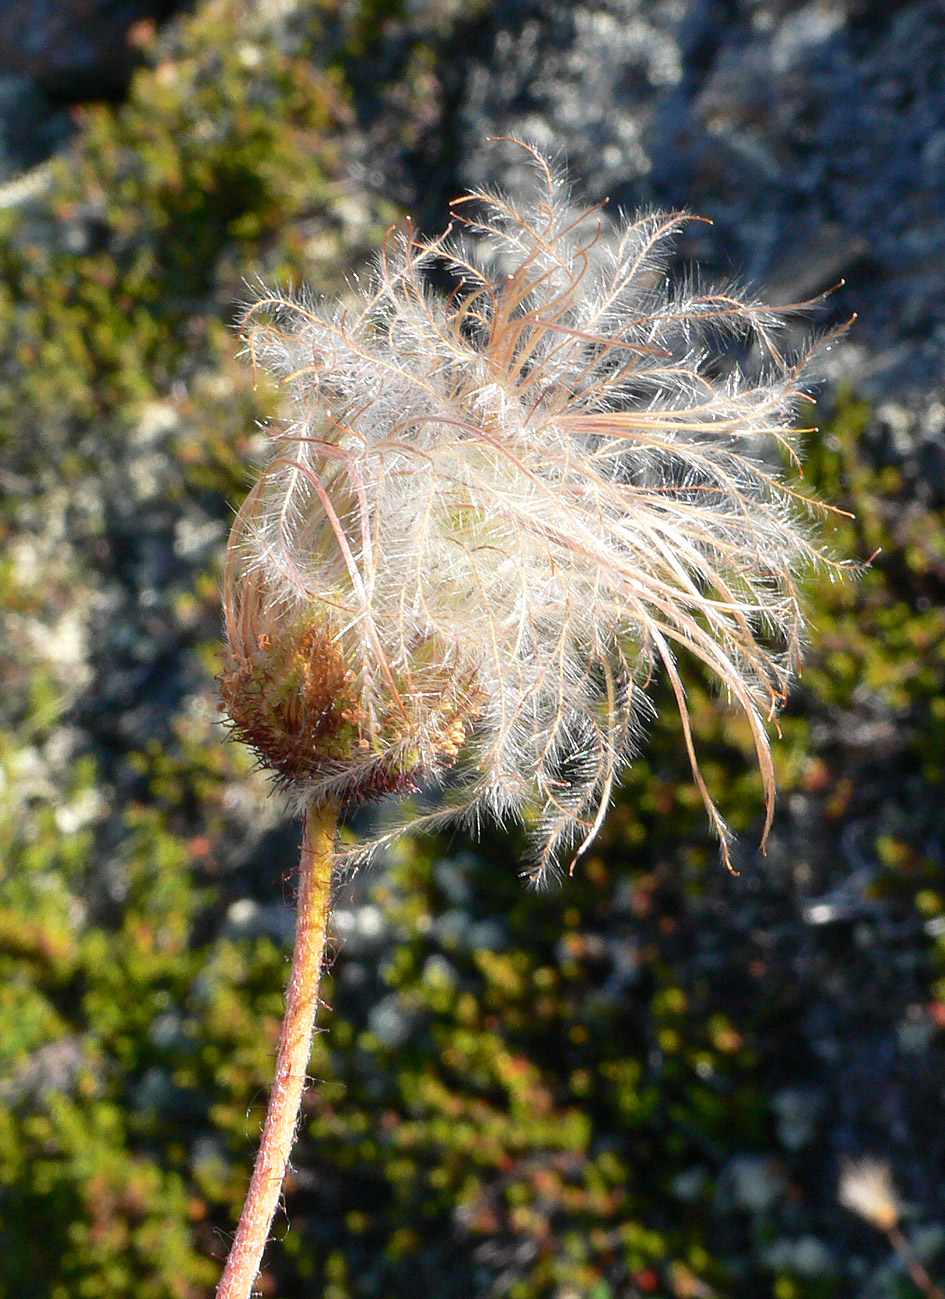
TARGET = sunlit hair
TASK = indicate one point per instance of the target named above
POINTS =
(494, 510)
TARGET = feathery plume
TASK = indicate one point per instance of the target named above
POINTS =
(492, 513)
(866, 1188)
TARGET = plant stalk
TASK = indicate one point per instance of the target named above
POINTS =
(295, 1048)
(920, 1278)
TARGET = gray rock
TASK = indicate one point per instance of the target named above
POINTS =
(31, 126)
(75, 49)
(810, 134)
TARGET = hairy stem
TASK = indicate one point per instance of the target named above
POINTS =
(920, 1278)
(295, 1047)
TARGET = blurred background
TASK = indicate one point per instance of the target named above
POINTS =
(649, 1079)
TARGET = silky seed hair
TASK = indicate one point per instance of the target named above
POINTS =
(494, 513)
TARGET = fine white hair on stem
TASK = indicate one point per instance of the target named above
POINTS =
(493, 512)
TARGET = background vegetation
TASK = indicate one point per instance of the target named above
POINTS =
(638, 1083)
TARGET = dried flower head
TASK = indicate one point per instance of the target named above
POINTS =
(866, 1188)
(492, 512)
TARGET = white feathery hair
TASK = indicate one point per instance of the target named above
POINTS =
(513, 500)
(866, 1188)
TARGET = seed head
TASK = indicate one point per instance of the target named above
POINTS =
(866, 1188)
(494, 510)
